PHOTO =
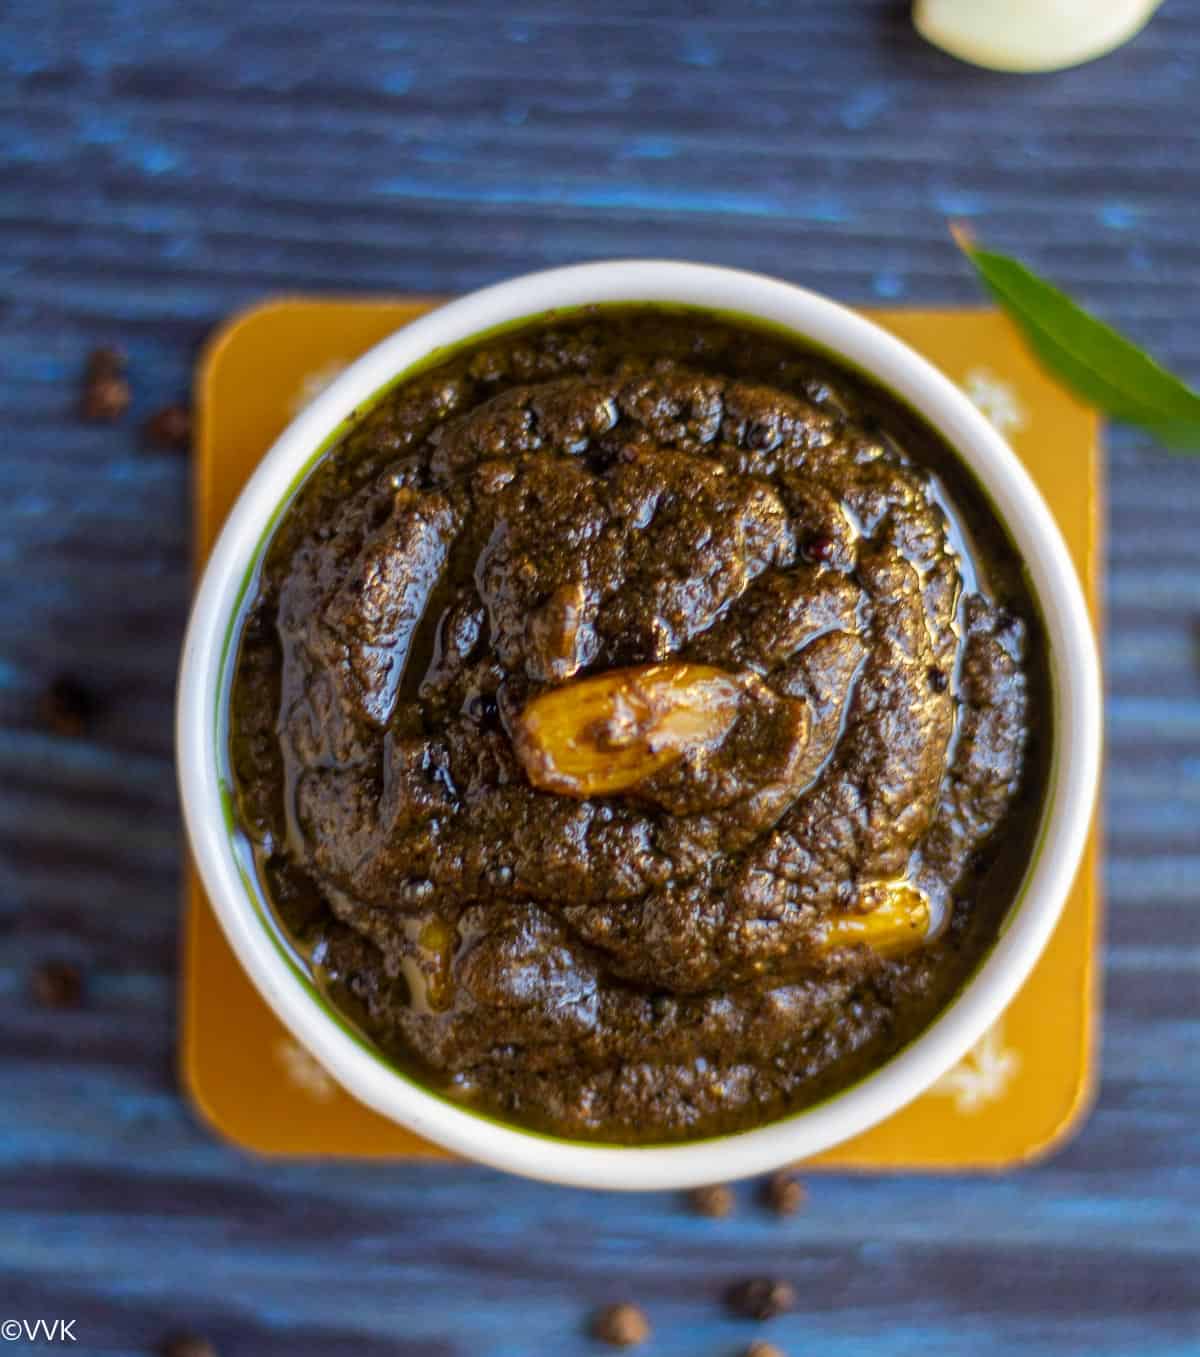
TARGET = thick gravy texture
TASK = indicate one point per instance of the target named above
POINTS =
(634, 725)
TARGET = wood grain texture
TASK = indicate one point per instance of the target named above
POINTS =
(163, 163)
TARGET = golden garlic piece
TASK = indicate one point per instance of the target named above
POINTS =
(606, 734)
(892, 918)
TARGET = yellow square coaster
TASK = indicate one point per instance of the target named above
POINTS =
(1016, 1095)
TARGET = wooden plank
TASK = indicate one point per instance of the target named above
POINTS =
(165, 164)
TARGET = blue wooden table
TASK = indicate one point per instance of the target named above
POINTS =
(163, 163)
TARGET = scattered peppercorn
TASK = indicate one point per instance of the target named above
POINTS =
(938, 680)
(105, 395)
(761, 1298)
(105, 400)
(170, 428)
(784, 1194)
(819, 548)
(715, 1201)
(188, 1345)
(621, 1326)
(58, 984)
(104, 362)
(760, 1349)
(66, 707)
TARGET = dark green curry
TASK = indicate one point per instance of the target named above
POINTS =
(634, 725)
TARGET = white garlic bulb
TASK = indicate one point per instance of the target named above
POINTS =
(1030, 35)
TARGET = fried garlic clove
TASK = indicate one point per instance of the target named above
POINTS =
(892, 918)
(606, 734)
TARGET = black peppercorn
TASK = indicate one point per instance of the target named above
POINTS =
(715, 1200)
(67, 707)
(621, 1326)
(761, 1298)
(58, 984)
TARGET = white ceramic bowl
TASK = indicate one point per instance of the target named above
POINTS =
(209, 654)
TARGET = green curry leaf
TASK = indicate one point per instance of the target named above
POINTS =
(1099, 365)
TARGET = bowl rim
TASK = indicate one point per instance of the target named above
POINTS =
(203, 692)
